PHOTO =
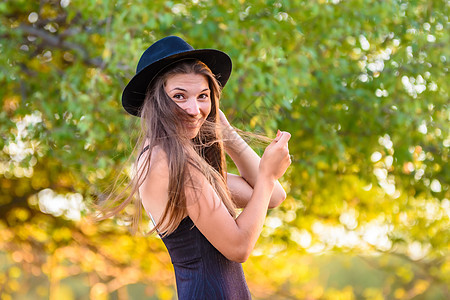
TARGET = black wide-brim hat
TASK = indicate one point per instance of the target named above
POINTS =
(162, 54)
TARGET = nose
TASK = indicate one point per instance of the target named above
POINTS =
(192, 107)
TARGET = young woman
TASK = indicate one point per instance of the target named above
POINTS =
(181, 172)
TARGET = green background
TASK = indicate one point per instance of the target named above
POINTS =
(361, 85)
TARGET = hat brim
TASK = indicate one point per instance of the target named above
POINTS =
(133, 95)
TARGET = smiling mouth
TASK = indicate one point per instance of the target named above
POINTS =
(194, 124)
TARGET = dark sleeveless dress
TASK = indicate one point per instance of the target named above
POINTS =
(201, 271)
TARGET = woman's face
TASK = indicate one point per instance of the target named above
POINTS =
(190, 92)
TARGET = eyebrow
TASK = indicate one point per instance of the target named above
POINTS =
(178, 88)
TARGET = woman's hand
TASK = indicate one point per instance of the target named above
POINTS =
(276, 159)
(223, 119)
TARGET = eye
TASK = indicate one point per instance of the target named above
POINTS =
(203, 96)
(178, 96)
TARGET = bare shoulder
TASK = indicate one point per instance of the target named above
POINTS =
(202, 201)
(158, 162)
(154, 186)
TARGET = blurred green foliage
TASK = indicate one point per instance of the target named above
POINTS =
(362, 85)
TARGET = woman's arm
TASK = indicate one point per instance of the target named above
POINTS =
(247, 162)
(236, 238)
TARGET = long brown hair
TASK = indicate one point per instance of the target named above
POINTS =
(161, 124)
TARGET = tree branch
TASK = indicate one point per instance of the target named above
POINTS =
(58, 42)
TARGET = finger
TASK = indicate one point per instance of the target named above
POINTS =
(278, 136)
(284, 137)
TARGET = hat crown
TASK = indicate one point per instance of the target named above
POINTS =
(165, 47)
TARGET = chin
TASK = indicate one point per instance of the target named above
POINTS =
(191, 135)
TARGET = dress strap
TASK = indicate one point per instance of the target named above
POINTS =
(142, 152)
(153, 221)
(151, 218)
